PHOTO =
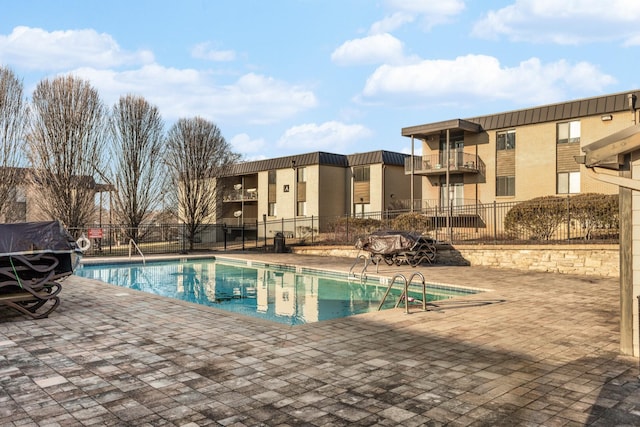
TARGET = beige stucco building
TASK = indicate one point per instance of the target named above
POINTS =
(516, 155)
(316, 185)
(22, 204)
(583, 146)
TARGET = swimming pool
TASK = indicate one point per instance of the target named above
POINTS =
(289, 295)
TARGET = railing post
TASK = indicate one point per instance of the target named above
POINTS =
(495, 222)
(264, 220)
(347, 228)
(242, 231)
(224, 233)
(568, 217)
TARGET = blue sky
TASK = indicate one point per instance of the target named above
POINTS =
(287, 77)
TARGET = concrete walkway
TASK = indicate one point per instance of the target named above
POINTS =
(538, 349)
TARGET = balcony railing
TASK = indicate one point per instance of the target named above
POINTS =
(250, 194)
(435, 164)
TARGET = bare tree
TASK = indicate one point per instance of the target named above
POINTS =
(13, 115)
(66, 147)
(137, 132)
(197, 154)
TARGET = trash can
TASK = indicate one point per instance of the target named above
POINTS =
(278, 243)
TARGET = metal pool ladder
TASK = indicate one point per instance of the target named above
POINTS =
(362, 272)
(133, 243)
(405, 293)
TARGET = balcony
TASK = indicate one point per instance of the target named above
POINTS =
(435, 164)
(248, 195)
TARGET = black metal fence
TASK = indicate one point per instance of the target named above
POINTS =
(545, 221)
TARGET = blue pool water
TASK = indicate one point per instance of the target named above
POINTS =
(286, 295)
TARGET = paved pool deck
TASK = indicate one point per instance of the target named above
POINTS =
(537, 349)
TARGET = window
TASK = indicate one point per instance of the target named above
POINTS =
(505, 186)
(302, 209)
(361, 174)
(456, 148)
(568, 182)
(272, 209)
(506, 140)
(21, 195)
(272, 177)
(301, 175)
(360, 209)
(453, 194)
(16, 209)
(301, 192)
(568, 132)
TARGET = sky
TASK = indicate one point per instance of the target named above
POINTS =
(288, 77)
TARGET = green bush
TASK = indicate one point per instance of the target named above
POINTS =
(540, 218)
(536, 219)
(355, 225)
(412, 221)
(594, 212)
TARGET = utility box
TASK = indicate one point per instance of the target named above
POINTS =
(278, 243)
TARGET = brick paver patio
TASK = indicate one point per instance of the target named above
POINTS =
(538, 349)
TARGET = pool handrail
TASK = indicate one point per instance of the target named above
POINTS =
(405, 292)
(133, 243)
(364, 269)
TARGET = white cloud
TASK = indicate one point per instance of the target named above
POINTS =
(633, 41)
(329, 136)
(251, 99)
(249, 148)
(375, 49)
(35, 48)
(379, 46)
(391, 23)
(440, 8)
(483, 77)
(430, 12)
(206, 51)
(563, 22)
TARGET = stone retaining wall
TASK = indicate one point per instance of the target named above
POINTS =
(589, 260)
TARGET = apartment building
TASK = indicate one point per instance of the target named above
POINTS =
(320, 184)
(22, 204)
(584, 146)
(516, 155)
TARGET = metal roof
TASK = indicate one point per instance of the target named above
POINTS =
(605, 104)
(377, 157)
(318, 158)
(421, 131)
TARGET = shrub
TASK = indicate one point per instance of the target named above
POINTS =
(412, 221)
(539, 218)
(536, 219)
(344, 227)
(595, 212)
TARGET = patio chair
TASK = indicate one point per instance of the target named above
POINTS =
(34, 258)
(398, 247)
